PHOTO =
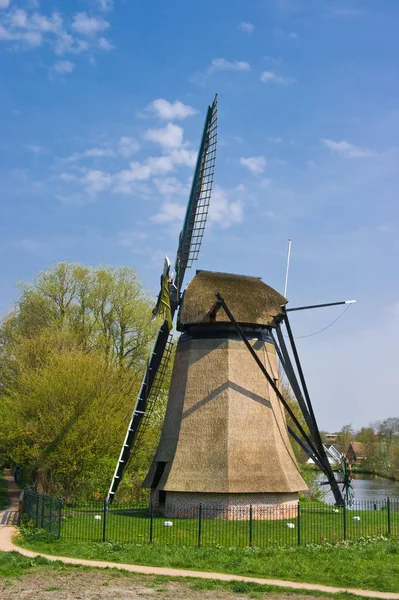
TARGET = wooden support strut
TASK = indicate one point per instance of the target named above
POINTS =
(268, 377)
(312, 423)
(313, 448)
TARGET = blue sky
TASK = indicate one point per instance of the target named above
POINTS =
(101, 110)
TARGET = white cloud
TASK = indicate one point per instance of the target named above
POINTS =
(247, 27)
(128, 146)
(96, 181)
(129, 238)
(125, 179)
(29, 29)
(256, 164)
(104, 44)
(34, 148)
(63, 67)
(292, 35)
(346, 149)
(93, 181)
(67, 177)
(86, 25)
(33, 38)
(270, 77)
(170, 212)
(53, 24)
(184, 156)
(4, 3)
(344, 11)
(170, 186)
(170, 136)
(265, 183)
(91, 153)
(221, 64)
(170, 110)
(222, 211)
(159, 164)
(67, 44)
(19, 18)
(105, 5)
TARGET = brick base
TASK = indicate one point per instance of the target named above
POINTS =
(227, 506)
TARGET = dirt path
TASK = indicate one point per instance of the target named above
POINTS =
(10, 514)
(7, 545)
(71, 585)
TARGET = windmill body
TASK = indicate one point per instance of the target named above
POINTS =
(224, 441)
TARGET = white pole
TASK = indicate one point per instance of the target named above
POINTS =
(288, 266)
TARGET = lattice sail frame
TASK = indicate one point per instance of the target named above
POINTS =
(188, 250)
(200, 197)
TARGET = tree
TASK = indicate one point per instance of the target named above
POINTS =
(64, 415)
(72, 356)
(345, 437)
(389, 429)
(106, 310)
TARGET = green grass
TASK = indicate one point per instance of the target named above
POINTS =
(14, 565)
(4, 501)
(318, 523)
(371, 564)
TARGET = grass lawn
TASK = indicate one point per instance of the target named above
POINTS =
(317, 523)
(372, 564)
(4, 501)
(13, 566)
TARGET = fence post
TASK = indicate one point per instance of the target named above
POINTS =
(59, 517)
(299, 523)
(251, 543)
(389, 514)
(51, 513)
(151, 522)
(199, 525)
(105, 508)
(344, 512)
(42, 514)
(37, 509)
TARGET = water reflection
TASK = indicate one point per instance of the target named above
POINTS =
(367, 487)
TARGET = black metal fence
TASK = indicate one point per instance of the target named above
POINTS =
(303, 523)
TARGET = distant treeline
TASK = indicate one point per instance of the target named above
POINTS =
(380, 446)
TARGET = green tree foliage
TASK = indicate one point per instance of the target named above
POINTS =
(105, 309)
(345, 436)
(381, 441)
(72, 356)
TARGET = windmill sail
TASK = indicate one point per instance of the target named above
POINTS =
(163, 307)
(188, 250)
(200, 197)
(147, 397)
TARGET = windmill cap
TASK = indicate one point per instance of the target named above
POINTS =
(249, 299)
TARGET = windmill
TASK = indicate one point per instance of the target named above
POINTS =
(224, 440)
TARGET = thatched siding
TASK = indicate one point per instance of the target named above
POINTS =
(224, 430)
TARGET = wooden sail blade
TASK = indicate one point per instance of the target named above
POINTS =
(145, 402)
(199, 200)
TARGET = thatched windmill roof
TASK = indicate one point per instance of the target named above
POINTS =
(251, 301)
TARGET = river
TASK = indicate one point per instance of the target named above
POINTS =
(367, 487)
